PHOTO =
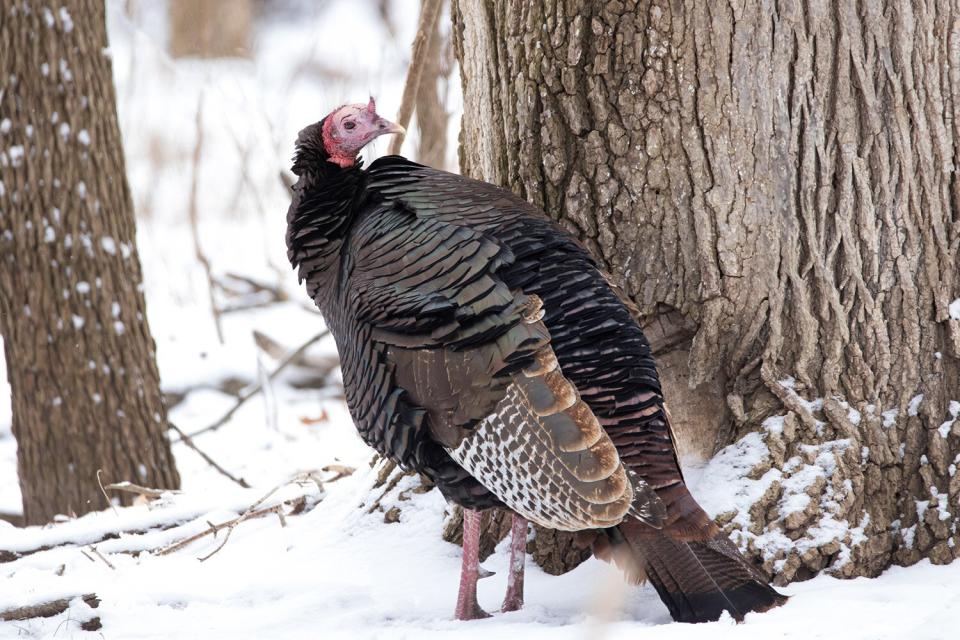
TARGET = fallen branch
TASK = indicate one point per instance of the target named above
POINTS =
(146, 492)
(429, 11)
(244, 397)
(252, 512)
(185, 439)
(47, 609)
(341, 470)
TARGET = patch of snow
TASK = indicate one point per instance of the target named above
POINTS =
(66, 20)
(914, 407)
(955, 309)
(15, 153)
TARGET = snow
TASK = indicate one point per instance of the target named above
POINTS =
(66, 20)
(954, 409)
(914, 407)
(955, 309)
(109, 245)
(336, 571)
(15, 153)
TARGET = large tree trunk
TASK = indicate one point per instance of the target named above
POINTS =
(774, 186)
(80, 357)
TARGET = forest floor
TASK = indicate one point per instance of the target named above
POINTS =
(329, 568)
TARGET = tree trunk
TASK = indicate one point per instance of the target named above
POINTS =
(773, 185)
(432, 116)
(210, 28)
(80, 357)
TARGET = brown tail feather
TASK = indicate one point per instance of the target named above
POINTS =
(697, 579)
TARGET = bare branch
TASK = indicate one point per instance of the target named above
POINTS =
(185, 439)
(429, 11)
(194, 224)
(245, 396)
(251, 513)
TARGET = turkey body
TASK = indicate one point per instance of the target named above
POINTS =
(483, 347)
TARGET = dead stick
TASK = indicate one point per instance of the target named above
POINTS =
(47, 609)
(194, 224)
(185, 439)
(129, 487)
(229, 525)
(421, 45)
(257, 387)
(97, 553)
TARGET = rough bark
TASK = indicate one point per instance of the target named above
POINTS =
(774, 185)
(79, 353)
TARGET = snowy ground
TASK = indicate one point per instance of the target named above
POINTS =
(333, 571)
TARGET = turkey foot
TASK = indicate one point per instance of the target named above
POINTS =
(513, 601)
(467, 607)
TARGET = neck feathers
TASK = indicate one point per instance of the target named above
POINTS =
(320, 212)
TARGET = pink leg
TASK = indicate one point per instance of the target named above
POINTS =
(467, 607)
(513, 601)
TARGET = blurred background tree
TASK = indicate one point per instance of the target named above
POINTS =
(210, 28)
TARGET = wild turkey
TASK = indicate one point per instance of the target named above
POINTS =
(483, 347)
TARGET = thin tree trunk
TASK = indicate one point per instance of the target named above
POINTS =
(79, 352)
(210, 28)
(432, 116)
(774, 186)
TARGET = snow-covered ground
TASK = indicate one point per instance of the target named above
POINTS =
(334, 570)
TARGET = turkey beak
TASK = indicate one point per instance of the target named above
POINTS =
(384, 127)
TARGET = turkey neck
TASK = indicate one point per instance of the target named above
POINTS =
(318, 221)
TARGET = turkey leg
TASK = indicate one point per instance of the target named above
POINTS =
(467, 607)
(513, 601)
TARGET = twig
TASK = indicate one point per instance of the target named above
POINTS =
(185, 439)
(97, 553)
(105, 496)
(194, 225)
(47, 609)
(276, 290)
(257, 387)
(251, 513)
(429, 11)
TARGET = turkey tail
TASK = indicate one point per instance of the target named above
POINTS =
(698, 579)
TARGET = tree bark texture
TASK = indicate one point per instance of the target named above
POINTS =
(773, 184)
(79, 353)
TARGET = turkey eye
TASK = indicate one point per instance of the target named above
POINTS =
(349, 126)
